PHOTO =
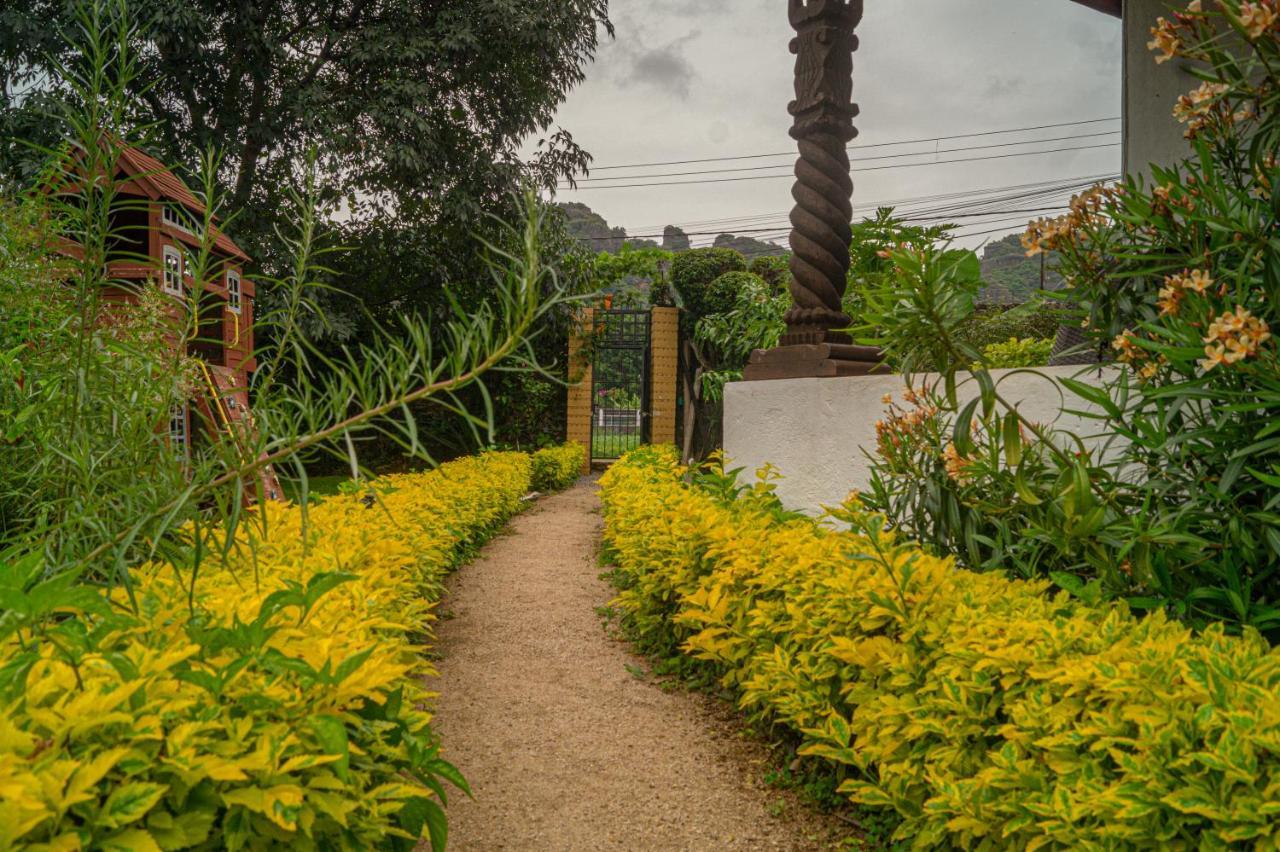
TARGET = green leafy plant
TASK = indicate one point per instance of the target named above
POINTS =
(1178, 277)
(726, 339)
(1027, 352)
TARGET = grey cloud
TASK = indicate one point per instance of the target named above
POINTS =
(664, 68)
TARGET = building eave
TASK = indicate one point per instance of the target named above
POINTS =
(1110, 7)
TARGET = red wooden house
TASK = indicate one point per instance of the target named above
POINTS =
(160, 225)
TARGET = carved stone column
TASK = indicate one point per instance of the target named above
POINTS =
(814, 344)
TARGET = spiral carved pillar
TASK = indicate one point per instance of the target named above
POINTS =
(820, 241)
(815, 343)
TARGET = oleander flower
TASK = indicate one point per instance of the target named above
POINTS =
(1130, 351)
(1171, 296)
(957, 466)
(1232, 337)
(1165, 39)
(1257, 18)
(1196, 108)
(1049, 234)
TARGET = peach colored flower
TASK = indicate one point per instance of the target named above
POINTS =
(1165, 39)
(1130, 352)
(1170, 300)
(1257, 18)
(1232, 337)
(957, 465)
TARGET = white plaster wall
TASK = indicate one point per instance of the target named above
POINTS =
(1151, 133)
(819, 432)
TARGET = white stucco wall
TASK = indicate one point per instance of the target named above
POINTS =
(1151, 133)
(819, 432)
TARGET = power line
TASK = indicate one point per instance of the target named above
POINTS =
(858, 171)
(975, 205)
(1048, 187)
(852, 160)
(864, 147)
(938, 217)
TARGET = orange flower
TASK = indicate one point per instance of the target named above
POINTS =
(1171, 297)
(1232, 337)
(1199, 280)
(1130, 352)
(1257, 18)
(957, 465)
(1165, 39)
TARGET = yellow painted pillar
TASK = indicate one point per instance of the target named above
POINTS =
(664, 359)
(579, 426)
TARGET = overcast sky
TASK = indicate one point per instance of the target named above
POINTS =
(690, 79)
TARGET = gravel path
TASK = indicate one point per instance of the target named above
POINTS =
(564, 747)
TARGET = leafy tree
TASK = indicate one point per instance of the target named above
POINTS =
(418, 109)
(754, 321)
(624, 272)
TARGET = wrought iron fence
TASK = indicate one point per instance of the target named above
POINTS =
(620, 383)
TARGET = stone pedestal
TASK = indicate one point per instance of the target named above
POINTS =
(816, 360)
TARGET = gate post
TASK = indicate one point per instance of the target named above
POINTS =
(579, 409)
(664, 357)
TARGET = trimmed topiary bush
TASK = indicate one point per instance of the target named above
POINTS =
(724, 291)
(693, 272)
(775, 270)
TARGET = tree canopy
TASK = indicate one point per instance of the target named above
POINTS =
(417, 107)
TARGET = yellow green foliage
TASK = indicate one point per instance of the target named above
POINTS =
(987, 712)
(556, 468)
(1014, 352)
(281, 704)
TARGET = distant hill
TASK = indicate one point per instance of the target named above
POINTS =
(1010, 276)
(590, 228)
(675, 239)
(748, 247)
(594, 232)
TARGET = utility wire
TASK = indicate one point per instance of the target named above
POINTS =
(1044, 187)
(865, 147)
(852, 160)
(858, 171)
(936, 217)
(982, 208)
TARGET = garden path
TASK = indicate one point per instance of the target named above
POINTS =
(564, 746)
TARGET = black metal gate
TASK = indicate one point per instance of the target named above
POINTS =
(619, 383)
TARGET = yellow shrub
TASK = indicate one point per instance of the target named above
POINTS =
(985, 711)
(282, 703)
(556, 468)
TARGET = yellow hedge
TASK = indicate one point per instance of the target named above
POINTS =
(283, 704)
(556, 468)
(988, 713)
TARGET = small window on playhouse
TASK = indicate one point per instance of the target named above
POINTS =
(172, 283)
(233, 291)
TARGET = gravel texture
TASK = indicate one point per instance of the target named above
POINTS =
(564, 745)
